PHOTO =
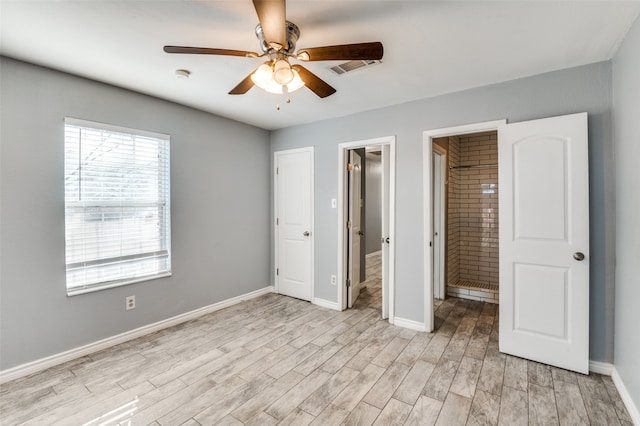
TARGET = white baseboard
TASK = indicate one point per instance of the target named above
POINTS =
(600, 367)
(410, 324)
(326, 303)
(632, 408)
(50, 361)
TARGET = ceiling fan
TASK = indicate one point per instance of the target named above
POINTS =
(278, 39)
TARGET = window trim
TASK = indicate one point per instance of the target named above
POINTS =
(113, 128)
(113, 284)
(90, 288)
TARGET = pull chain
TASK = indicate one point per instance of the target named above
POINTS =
(287, 100)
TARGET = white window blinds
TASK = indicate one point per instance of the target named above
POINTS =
(117, 209)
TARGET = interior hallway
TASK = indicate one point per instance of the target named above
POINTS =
(279, 360)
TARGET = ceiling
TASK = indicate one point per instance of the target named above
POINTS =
(431, 47)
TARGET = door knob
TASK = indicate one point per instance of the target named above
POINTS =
(361, 233)
(305, 233)
(578, 256)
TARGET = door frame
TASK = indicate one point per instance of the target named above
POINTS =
(427, 152)
(276, 257)
(440, 155)
(343, 149)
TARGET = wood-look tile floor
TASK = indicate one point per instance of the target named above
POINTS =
(278, 360)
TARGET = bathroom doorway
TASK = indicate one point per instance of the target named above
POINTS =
(543, 232)
(456, 259)
(470, 190)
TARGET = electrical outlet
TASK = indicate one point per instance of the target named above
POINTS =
(130, 302)
(333, 280)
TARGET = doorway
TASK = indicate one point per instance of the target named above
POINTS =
(431, 143)
(471, 231)
(543, 235)
(364, 208)
(366, 254)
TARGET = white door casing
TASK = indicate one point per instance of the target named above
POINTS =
(294, 222)
(355, 232)
(544, 241)
(384, 243)
(439, 220)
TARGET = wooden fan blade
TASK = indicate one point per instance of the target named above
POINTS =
(244, 86)
(209, 51)
(345, 52)
(313, 82)
(272, 17)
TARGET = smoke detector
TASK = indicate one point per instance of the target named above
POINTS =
(182, 74)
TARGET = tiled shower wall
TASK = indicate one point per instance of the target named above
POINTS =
(473, 209)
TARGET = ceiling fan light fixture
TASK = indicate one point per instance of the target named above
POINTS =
(296, 83)
(262, 76)
(282, 72)
(274, 88)
(275, 77)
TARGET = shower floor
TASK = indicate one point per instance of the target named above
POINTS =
(474, 290)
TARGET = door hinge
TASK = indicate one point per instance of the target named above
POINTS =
(348, 224)
(277, 271)
(348, 283)
(349, 167)
(277, 221)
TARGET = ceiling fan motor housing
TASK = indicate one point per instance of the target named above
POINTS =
(293, 34)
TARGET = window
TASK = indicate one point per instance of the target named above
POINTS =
(117, 210)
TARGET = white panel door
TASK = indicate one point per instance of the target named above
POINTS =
(544, 241)
(294, 198)
(355, 233)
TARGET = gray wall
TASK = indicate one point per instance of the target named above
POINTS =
(373, 199)
(37, 319)
(586, 88)
(219, 225)
(626, 111)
